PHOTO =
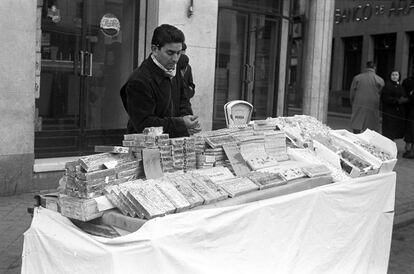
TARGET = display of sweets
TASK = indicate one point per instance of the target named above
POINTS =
(307, 127)
(384, 156)
(88, 176)
(355, 166)
(291, 173)
(275, 145)
(166, 157)
(266, 179)
(190, 160)
(153, 130)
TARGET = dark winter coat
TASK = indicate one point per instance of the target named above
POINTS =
(408, 85)
(187, 75)
(152, 99)
(393, 113)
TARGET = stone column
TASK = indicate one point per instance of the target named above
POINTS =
(17, 95)
(401, 54)
(317, 57)
(367, 50)
(338, 64)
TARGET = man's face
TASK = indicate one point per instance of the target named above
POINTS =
(167, 55)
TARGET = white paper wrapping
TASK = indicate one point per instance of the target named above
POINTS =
(338, 228)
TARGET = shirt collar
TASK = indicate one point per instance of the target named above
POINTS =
(169, 73)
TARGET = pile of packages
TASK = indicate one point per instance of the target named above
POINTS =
(356, 154)
(220, 164)
(178, 191)
(87, 177)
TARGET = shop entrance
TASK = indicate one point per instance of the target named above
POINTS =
(87, 53)
(247, 47)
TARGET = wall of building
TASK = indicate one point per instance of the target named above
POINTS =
(17, 80)
(359, 17)
(365, 19)
(200, 31)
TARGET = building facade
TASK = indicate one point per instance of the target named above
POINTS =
(67, 63)
(379, 31)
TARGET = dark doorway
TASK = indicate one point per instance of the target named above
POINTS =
(384, 54)
(247, 47)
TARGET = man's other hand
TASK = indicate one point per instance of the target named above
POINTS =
(191, 121)
(192, 124)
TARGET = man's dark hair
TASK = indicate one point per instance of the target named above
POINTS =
(166, 34)
(184, 46)
(370, 64)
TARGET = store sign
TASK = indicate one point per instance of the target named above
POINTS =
(110, 25)
(369, 9)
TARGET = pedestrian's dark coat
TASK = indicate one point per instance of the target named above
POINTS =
(393, 113)
(152, 99)
(187, 75)
(365, 98)
(408, 85)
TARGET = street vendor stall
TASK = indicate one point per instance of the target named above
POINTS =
(337, 228)
(228, 201)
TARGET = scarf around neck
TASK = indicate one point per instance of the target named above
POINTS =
(168, 73)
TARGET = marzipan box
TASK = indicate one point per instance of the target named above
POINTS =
(375, 139)
(342, 163)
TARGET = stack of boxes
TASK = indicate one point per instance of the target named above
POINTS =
(153, 198)
(164, 145)
(275, 145)
(200, 146)
(178, 153)
(190, 160)
(87, 177)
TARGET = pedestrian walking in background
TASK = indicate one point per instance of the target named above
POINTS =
(365, 94)
(408, 85)
(393, 100)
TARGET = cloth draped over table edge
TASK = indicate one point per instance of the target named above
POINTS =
(343, 227)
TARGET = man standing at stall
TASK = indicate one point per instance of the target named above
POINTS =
(365, 94)
(154, 94)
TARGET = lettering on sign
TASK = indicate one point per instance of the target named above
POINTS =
(110, 25)
(369, 9)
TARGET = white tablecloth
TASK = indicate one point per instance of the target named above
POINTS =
(338, 228)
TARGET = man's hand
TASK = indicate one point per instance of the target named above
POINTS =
(192, 124)
(193, 131)
(190, 121)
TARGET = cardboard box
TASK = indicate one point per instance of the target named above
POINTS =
(375, 139)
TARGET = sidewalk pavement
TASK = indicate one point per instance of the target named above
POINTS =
(14, 219)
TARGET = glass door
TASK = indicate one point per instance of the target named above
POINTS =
(231, 62)
(108, 55)
(87, 51)
(246, 61)
(58, 105)
(262, 57)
